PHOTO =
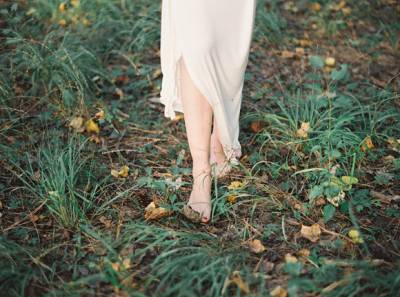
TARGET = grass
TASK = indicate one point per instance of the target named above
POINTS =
(320, 146)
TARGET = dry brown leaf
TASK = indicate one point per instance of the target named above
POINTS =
(106, 222)
(152, 212)
(256, 246)
(311, 233)
(256, 126)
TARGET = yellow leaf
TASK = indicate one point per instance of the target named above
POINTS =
(256, 246)
(92, 127)
(304, 253)
(61, 7)
(232, 199)
(315, 6)
(239, 282)
(115, 266)
(62, 23)
(355, 236)
(289, 258)
(278, 292)
(235, 185)
(75, 3)
(114, 173)
(77, 124)
(311, 233)
(124, 172)
(349, 180)
(330, 61)
(152, 212)
(85, 22)
(367, 144)
(303, 131)
(346, 11)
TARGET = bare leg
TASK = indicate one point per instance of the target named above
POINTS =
(217, 152)
(198, 120)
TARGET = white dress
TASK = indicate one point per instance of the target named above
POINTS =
(213, 37)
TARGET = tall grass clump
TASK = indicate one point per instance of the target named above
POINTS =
(61, 177)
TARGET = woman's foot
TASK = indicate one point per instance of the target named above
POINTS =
(199, 205)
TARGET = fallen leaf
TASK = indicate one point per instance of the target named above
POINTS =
(303, 131)
(256, 246)
(355, 236)
(311, 233)
(124, 172)
(235, 185)
(330, 61)
(77, 124)
(61, 7)
(337, 199)
(114, 172)
(239, 282)
(152, 212)
(62, 23)
(304, 253)
(100, 114)
(367, 144)
(349, 180)
(315, 6)
(92, 127)
(289, 258)
(106, 222)
(256, 126)
(287, 54)
(232, 199)
(278, 292)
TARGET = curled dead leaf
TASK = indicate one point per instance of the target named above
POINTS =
(152, 212)
(311, 233)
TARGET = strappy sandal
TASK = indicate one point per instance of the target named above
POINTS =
(192, 214)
